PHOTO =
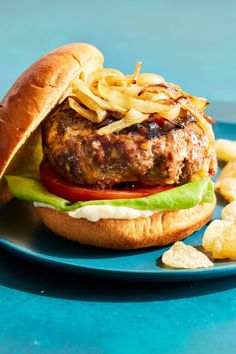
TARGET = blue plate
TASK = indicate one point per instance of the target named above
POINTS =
(22, 233)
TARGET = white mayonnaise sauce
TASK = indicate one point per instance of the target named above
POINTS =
(96, 212)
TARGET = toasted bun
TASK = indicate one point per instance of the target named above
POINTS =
(158, 230)
(35, 94)
(26, 105)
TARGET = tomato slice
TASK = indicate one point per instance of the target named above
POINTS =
(74, 193)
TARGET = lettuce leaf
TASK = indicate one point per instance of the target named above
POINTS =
(183, 197)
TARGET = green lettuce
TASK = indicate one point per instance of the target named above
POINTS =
(183, 197)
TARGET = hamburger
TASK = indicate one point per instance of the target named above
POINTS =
(107, 159)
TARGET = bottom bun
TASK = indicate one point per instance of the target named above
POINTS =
(157, 230)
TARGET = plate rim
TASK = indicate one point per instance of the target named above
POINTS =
(168, 276)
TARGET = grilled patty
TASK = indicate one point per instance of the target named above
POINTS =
(155, 152)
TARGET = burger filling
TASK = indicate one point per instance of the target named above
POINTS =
(157, 151)
(127, 141)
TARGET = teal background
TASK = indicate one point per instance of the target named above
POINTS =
(43, 310)
(189, 42)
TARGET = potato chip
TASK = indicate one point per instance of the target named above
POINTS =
(226, 183)
(229, 171)
(229, 212)
(214, 229)
(227, 188)
(220, 239)
(225, 149)
(184, 256)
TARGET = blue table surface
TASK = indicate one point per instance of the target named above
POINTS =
(44, 310)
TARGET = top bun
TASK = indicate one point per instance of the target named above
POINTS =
(35, 94)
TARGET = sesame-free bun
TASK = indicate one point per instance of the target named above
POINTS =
(34, 95)
(37, 91)
(158, 230)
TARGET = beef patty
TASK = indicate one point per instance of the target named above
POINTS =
(155, 152)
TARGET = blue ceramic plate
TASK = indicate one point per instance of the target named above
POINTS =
(22, 233)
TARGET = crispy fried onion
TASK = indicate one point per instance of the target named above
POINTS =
(134, 97)
(131, 117)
